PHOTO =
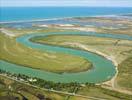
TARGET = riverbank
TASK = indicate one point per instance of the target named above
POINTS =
(111, 81)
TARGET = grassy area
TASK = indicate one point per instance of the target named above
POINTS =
(124, 78)
(98, 92)
(111, 47)
(14, 52)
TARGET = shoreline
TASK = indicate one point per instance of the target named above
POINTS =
(111, 81)
(58, 18)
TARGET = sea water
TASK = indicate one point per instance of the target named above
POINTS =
(35, 13)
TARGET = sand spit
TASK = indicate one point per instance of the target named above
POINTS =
(7, 32)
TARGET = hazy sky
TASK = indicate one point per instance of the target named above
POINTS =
(119, 3)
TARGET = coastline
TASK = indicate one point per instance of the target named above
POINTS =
(59, 18)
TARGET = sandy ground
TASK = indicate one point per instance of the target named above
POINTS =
(7, 32)
(69, 26)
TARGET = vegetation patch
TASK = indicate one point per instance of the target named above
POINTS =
(16, 53)
(124, 78)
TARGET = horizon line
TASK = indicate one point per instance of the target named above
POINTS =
(73, 6)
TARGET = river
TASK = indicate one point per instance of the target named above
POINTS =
(103, 69)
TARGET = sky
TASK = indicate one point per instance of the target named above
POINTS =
(88, 3)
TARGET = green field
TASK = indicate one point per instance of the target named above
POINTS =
(104, 45)
(124, 78)
(14, 52)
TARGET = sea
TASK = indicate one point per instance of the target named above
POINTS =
(38, 13)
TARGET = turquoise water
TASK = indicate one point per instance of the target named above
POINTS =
(103, 69)
(32, 13)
